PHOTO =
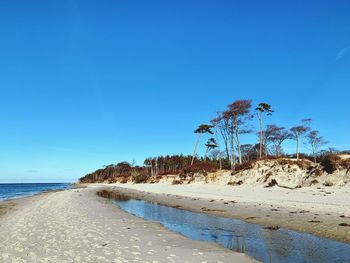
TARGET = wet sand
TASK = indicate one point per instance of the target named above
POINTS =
(294, 209)
(78, 226)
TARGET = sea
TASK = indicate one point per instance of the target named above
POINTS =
(17, 190)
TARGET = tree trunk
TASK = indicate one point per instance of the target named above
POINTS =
(217, 141)
(206, 154)
(225, 142)
(232, 159)
(195, 149)
(260, 120)
(227, 153)
(297, 148)
(239, 148)
(314, 153)
(156, 166)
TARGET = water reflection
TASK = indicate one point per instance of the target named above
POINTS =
(265, 245)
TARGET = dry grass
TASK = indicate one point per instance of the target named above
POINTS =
(140, 178)
(302, 163)
(243, 166)
(318, 172)
(211, 177)
(331, 163)
(201, 168)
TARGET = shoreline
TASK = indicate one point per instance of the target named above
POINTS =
(11, 203)
(76, 225)
(58, 216)
(319, 219)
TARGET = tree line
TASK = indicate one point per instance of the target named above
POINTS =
(237, 119)
(223, 146)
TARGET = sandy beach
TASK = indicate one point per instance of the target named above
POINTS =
(311, 210)
(78, 226)
(6, 206)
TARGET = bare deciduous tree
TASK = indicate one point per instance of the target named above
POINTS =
(279, 135)
(268, 134)
(222, 124)
(297, 132)
(248, 152)
(315, 142)
(228, 124)
(239, 112)
(266, 139)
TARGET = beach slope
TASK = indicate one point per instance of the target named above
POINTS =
(77, 226)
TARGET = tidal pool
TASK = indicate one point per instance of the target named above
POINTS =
(282, 245)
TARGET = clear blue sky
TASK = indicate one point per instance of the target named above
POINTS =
(88, 83)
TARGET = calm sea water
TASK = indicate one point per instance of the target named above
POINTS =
(265, 245)
(10, 191)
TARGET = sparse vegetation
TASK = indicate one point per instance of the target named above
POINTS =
(328, 184)
(229, 125)
(176, 182)
(318, 172)
(243, 166)
(330, 163)
(202, 168)
(140, 178)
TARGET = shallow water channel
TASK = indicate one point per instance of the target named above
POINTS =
(265, 245)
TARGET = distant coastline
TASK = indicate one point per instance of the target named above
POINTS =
(9, 191)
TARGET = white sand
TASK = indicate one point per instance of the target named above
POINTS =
(77, 226)
(317, 211)
(327, 199)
